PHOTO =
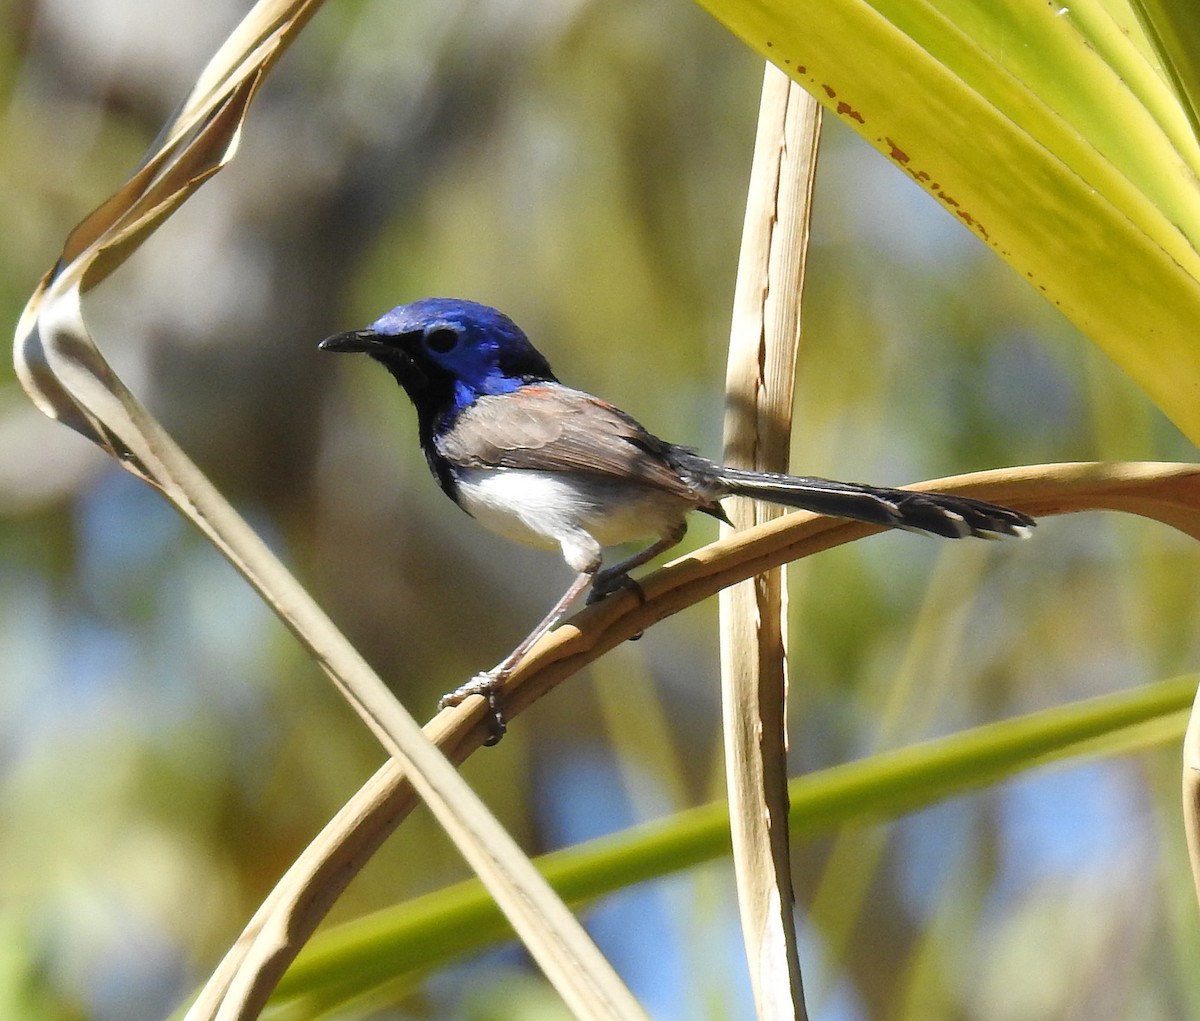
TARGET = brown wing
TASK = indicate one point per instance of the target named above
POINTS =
(555, 428)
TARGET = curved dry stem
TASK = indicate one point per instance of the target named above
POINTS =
(1168, 492)
(1164, 492)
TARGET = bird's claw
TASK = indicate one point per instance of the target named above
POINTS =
(604, 587)
(488, 685)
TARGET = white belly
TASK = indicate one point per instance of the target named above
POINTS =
(551, 508)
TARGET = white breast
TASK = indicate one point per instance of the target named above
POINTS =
(563, 509)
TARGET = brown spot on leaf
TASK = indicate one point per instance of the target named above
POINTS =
(974, 224)
(829, 91)
(896, 153)
(846, 110)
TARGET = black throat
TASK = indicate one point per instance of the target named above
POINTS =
(431, 391)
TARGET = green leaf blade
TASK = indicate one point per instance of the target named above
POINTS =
(1097, 214)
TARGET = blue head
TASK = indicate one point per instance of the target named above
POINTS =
(446, 352)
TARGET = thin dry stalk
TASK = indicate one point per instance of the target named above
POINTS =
(759, 393)
(1191, 791)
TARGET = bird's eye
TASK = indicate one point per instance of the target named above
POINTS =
(441, 340)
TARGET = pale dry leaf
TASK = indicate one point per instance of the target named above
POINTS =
(69, 379)
(759, 397)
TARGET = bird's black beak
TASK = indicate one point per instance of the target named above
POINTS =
(355, 340)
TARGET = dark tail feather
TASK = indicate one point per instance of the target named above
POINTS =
(954, 517)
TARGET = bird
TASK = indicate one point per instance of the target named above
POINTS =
(536, 461)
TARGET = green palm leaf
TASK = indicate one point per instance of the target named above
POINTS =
(390, 948)
(1056, 134)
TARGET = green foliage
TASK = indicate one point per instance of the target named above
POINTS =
(1048, 131)
(167, 751)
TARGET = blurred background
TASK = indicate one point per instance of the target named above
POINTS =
(166, 749)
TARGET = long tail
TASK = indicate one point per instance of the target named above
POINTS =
(954, 517)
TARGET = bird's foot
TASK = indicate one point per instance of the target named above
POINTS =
(605, 585)
(488, 685)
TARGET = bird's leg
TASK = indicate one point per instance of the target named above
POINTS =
(488, 684)
(606, 582)
(603, 582)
